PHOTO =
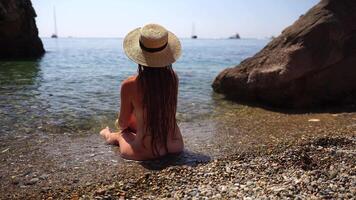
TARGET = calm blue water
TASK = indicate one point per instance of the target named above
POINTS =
(75, 86)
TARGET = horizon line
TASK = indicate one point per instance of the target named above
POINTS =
(104, 37)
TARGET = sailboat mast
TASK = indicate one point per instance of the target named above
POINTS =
(193, 32)
(193, 29)
(55, 21)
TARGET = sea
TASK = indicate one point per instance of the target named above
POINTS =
(74, 88)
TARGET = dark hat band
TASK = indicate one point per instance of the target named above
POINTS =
(152, 50)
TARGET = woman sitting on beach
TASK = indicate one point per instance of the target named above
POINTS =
(149, 100)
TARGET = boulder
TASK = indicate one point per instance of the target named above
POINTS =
(18, 31)
(312, 63)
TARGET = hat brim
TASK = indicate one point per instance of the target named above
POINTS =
(162, 58)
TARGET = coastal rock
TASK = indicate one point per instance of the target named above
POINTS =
(312, 63)
(18, 31)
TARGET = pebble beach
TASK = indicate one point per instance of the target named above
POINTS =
(275, 155)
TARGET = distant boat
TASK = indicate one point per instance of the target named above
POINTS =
(236, 36)
(194, 36)
(55, 34)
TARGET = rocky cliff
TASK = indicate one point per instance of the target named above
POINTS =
(312, 63)
(18, 31)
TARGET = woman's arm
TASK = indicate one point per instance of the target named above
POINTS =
(126, 107)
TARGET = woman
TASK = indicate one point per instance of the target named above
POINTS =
(149, 100)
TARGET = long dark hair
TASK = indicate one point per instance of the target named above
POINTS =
(159, 87)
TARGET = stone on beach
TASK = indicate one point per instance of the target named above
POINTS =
(314, 120)
(18, 31)
(311, 63)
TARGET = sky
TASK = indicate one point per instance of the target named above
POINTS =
(211, 18)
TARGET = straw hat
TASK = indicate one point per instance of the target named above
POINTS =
(152, 46)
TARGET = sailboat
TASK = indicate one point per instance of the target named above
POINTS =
(236, 36)
(55, 34)
(193, 32)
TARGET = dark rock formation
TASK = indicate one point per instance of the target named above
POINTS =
(18, 31)
(312, 63)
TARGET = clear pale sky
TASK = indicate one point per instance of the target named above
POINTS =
(212, 19)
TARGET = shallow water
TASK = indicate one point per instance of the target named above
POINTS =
(75, 86)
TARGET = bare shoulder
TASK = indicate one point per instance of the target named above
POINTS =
(129, 82)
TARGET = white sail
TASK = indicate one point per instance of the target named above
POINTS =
(55, 34)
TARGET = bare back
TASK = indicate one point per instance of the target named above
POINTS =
(136, 143)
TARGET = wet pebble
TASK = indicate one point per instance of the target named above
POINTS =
(100, 192)
(32, 181)
(44, 176)
(5, 150)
